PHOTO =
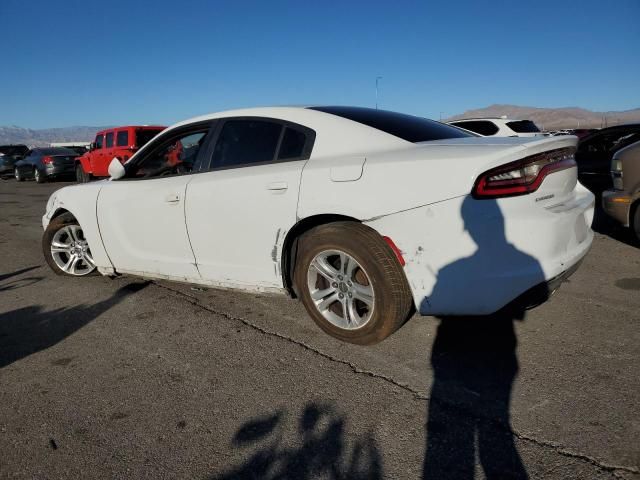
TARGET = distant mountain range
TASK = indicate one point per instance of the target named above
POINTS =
(555, 118)
(45, 136)
(545, 118)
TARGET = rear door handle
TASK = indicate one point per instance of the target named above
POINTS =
(173, 198)
(278, 186)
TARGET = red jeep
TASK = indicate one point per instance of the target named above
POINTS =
(118, 142)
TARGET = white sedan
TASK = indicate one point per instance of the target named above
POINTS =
(364, 215)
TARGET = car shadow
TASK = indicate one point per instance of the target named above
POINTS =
(318, 451)
(474, 358)
(30, 329)
(4, 276)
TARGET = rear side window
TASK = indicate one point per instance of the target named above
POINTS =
(109, 140)
(99, 141)
(292, 145)
(407, 127)
(244, 142)
(483, 127)
(523, 126)
(122, 138)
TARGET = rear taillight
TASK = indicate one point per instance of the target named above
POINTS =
(47, 160)
(522, 176)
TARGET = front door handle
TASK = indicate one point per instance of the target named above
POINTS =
(173, 198)
(278, 186)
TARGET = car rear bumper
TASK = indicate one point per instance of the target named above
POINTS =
(59, 170)
(617, 204)
(473, 257)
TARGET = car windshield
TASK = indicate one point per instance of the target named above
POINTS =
(409, 128)
(143, 136)
(523, 126)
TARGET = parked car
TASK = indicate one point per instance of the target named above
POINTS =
(46, 163)
(622, 202)
(118, 142)
(9, 155)
(595, 152)
(499, 127)
(363, 214)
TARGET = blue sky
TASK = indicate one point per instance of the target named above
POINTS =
(83, 62)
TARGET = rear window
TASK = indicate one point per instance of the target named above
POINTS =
(483, 127)
(292, 144)
(56, 151)
(143, 136)
(407, 127)
(523, 126)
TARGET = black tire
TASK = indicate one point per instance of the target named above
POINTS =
(54, 226)
(392, 303)
(18, 174)
(39, 176)
(81, 175)
(635, 221)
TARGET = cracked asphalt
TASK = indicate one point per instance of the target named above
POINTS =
(127, 378)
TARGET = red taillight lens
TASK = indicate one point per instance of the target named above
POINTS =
(47, 160)
(522, 176)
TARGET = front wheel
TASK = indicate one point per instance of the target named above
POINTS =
(66, 249)
(18, 174)
(351, 283)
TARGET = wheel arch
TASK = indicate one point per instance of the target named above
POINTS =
(290, 244)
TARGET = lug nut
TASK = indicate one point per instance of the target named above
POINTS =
(335, 284)
(341, 295)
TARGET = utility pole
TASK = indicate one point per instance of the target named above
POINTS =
(377, 79)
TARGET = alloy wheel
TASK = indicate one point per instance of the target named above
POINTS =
(340, 289)
(70, 251)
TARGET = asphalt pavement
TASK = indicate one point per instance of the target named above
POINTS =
(128, 378)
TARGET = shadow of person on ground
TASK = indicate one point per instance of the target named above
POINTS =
(4, 276)
(318, 451)
(28, 330)
(474, 358)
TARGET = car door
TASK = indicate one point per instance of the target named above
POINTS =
(141, 217)
(238, 212)
(96, 157)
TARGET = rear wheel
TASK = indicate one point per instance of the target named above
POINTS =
(18, 174)
(81, 175)
(66, 249)
(351, 283)
(39, 176)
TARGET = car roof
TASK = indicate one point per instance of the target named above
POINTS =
(121, 127)
(486, 118)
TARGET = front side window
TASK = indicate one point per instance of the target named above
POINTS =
(122, 138)
(174, 156)
(99, 141)
(109, 140)
(245, 142)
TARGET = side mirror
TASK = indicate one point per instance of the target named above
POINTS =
(92, 146)
(116, 169)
